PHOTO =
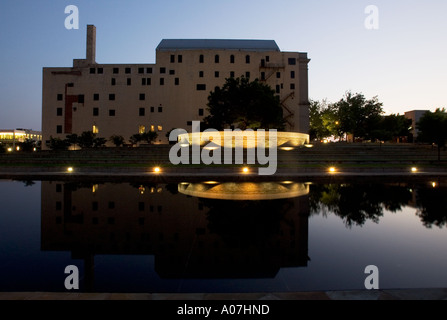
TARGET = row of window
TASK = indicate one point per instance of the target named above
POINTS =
(95, 129)
(112, 112)
(150, 70)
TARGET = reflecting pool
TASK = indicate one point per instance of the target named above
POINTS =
(211, 236)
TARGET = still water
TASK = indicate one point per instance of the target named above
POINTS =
(209, 236)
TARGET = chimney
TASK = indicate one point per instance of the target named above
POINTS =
(91, 44)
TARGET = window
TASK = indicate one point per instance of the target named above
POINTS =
(216, 58)
(142, 112)
(59, 112)
(143, 81)
(152, 128)
(162, 70)
(201, 112)
(95, 206)
(171, 72)
(148, 81)
(81, 98)
(162, 81)
(59, 129)
(95, 129)
(141, 129)
(58, 205)
(70, 85)
(172, 58)
(160, 128)
(141, 206)
(113, 81)
(152, 109)
(111, 205)
(189, 123)
(116, 70)
(112, 97)
(216, 74)
(201, 74)
(232, 58)
(292, 86)
(149, 70)
(60, 97)
(247, 59)
(96, 96)
(95, 112)
(92, 70)
(128, 70)
(292, 74)
(177, 81)
(58, 187)
(129, 81)
(278, 90)
(112, 112)
(201, 58)
(201, 87)
(142, 96)
(160, 109)
(262, 75)
(278, 75)
(247, 74)
(140, 70)
(232, 74)
(292, 61)
(180, 58)
(100, 70)
(267, 58)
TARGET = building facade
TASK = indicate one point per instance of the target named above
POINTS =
(415, 116)
(125, 99)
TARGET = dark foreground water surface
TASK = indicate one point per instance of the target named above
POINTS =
(207, 236)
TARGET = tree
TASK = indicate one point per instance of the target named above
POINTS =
(357, 115)
(391, 127)
(58, 144)
(149, 137)
(135, 138)
(323, 120)
(28, 145)
(433, 128)
(2, 148)
(243, 104)
(118, 141)
(86, 139)
(72, 139)
(99, 142)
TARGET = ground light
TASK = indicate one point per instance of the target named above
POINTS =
(9, 149)
(245, 170)
(414, 169)
(332, 170)
(70, 169)
(434, 184)
(157, 169)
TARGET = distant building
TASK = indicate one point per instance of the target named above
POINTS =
(415, 116)
(125, 99)
(19, 135)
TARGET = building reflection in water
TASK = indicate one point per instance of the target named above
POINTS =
(191, 229)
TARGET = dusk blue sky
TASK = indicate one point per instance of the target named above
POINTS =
(404, 62)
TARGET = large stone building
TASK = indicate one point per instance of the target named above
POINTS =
(125, 99)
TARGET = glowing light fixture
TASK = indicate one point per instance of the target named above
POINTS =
(70, 169)
(211, 146)
(184, 143)
(288, 146)
(245, 170)
(9, 149)
(211, 182)
(157, 169)
(309, 145)
(414, 169)
(434, 184)
(332, 170)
